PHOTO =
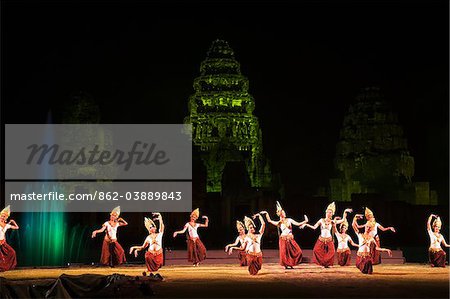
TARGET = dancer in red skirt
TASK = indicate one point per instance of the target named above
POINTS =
(239, 240)
(196, 249)
(112, 252)
(436, 253)
(343, 250)
(154, 257)
(364, 260)
(7, 254)
(290, 252)
(323, 252)
(252, 244)
(374, 232)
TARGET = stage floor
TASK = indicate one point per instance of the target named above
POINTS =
(307, 280)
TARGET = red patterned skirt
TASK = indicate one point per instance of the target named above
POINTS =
(154, 260)
(196, 250)
(290, 252)
(376, 256)
(437, 258)
(112, 254)
(254, 262)
(8, 259)
(364, 264)
(242, 258)
(344, 257)
(323, 252)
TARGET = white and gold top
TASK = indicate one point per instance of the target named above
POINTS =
(325, 229)
(192, 230)
(374, 230)
(286, 227)
(342, 241)
(240, 239)
(364, 244)
(111, 230)
(435, 240)
(3, 231)
(154, 242)
(253, 243)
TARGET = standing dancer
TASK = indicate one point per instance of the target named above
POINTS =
(343, 250)
(323, 252)
(252, 244)
(436, 253)
(8, 259)
(112, 252)
(239, 240)
(196, 249)
(154, 258)
(374, 232)
(364, 259)
(290, 252)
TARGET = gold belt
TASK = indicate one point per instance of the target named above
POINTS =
(343, 250)
(255, 253)
(155, 252)
(363, 254)
(288, 237)
(325, 240)
(434, 250)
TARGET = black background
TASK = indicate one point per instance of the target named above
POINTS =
(306, 62)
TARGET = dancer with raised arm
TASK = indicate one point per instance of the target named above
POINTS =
(343, 250)
(364, 260)
(290, 252)
(240, 239)
(196, 249)
(154, 257)
(436, 253)
(8, 259)
(112, 252)
(374, 232)
(323, 252)
(252, 244)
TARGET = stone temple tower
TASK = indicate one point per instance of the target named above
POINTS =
(224, 128)
(372, 154)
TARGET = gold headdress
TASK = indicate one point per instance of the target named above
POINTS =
(331, 207)
(437, 222)
(248, 221)
(239, 225)
(345, 223)
(149, 223)
(196, 213)
(279, 208)
(368, 213)
(6, 211)
(115, 211)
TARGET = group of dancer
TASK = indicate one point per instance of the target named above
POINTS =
(248, 242)
(324, 251)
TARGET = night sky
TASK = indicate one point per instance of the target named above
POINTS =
(306, 62)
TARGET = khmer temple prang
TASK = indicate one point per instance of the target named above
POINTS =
(372, 155)
(224, 128)
(227, 140)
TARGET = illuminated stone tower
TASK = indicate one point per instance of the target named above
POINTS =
(372, 154)
(224, 128)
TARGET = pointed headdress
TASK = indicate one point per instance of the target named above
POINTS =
(331, 207)
(248, 221)
(149, 223)
(115, 211)
(6, 211)
(239, 225)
